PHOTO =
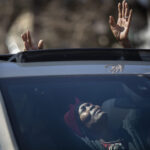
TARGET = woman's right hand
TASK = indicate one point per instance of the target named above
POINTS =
(28, 44)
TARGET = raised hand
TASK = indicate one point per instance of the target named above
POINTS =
(121, 28)
(28, 44)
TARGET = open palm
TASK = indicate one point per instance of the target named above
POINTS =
(121, 28)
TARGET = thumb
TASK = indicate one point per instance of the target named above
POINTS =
(40, 44)
(112, 21)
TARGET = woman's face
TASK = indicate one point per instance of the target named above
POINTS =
(91, 115)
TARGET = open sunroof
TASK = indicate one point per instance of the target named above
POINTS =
(79, 54)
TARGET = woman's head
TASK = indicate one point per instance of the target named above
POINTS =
(92, 117)
(85, 117)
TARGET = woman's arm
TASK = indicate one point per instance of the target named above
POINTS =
(121, 28)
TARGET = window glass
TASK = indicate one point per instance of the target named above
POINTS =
(86, 112)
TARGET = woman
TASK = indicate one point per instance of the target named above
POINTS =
(120, 29)
(90, 123)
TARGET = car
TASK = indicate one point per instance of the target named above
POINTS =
(37, 87)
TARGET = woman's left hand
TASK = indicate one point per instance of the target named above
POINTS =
(28, 44)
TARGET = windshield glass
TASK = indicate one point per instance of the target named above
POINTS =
(79, 112)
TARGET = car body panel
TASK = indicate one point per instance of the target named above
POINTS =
(9, 69)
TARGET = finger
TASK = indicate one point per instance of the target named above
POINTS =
(23, 36)
(119, 10)
(130, 17)
(40, 44)
(112, 22)
(29, 38)
(26, 45)
(123, 9)
(126, 11)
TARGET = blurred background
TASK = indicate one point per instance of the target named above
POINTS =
(69, 23)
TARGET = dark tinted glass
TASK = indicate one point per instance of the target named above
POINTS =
(37, 105)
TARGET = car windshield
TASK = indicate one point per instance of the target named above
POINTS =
(37, 109)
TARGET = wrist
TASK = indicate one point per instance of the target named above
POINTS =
(125, 43)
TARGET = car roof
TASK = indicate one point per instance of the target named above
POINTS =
(94, 61)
